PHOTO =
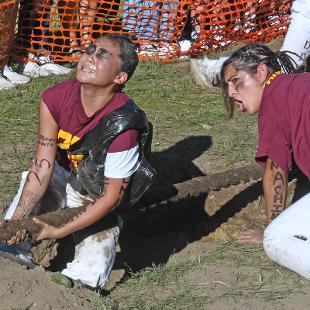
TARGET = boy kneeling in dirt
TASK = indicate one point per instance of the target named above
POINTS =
(90, 153)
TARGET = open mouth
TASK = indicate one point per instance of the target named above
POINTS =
(88, 70)
(240, 104)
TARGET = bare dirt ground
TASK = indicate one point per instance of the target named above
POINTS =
(24, 289)
(168, 233)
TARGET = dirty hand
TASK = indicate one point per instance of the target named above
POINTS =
(47, 231)
(20, 236)
(250, 236)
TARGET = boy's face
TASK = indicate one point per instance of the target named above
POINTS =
(100, 65)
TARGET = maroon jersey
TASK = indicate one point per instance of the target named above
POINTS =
(64, 103)
(284, 124)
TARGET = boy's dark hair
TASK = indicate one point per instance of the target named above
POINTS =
(128, 53)
(248, 58)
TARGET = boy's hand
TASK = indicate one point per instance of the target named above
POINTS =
(47, 231)
(20, 236)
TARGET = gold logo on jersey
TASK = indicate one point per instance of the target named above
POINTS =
(64, 141)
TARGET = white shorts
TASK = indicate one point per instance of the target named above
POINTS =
(94, 256)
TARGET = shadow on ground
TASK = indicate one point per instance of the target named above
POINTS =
(157, 234)
(153, 232)
(175, 165)
(153, 235)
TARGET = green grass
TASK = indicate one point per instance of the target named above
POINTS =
(252, 277)
(157, 287)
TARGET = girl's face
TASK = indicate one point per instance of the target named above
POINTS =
(245, 89)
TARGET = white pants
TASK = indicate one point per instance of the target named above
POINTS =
(297, 39)
(287, 238)
(94, 256)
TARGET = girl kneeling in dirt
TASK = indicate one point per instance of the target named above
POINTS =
(252, 80)
(90, 148)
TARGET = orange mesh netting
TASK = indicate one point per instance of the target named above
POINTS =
(8, 12)
(62, 28)
(221, 23)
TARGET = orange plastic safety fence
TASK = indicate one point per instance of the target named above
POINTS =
(62, 29)
(8, 12)
(220, 23)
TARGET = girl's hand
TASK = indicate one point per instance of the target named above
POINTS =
(250, 236)
(47, 231)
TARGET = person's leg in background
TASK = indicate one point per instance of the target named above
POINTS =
(68, 13)
(33, 27)
(299, 25)
(8, 15)
(204, 70)
(88, 11)
(140, 18)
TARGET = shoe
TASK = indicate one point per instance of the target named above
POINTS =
(18, 253)
(5, 83)
(32, 69)
(15, 77)
(198, 73)
(185, 45)
(207, 71)
(166, 50)
(42, 60)
(147, 50)
(212, 68)
(195, 35)
(47, 64)
(56, 69)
